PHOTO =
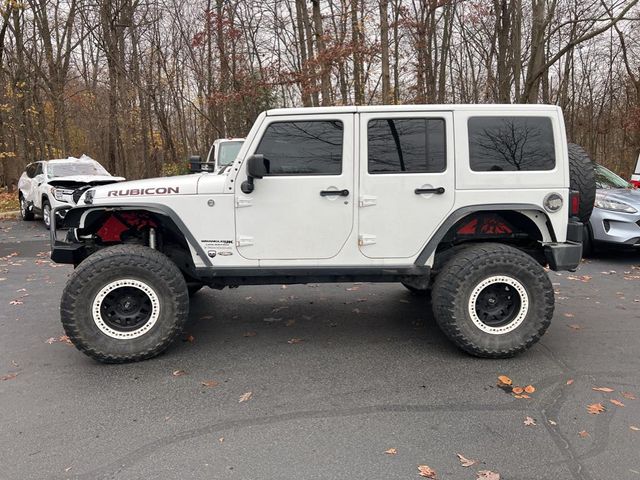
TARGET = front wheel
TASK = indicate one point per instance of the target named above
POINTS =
(25, 213)
(124, 303)
(493, 300)
(46, 214)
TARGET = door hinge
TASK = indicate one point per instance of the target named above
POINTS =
(367, 200)
(243, 202)
(366, 239)
(242, 241)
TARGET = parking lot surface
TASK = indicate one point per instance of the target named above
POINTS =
(338, 374)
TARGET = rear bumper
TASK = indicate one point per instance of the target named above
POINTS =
(567, 255)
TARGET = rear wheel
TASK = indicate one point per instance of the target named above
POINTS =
(493, 300)
(25, 213)
(124, 303)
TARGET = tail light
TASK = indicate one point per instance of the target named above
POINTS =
(574, 203)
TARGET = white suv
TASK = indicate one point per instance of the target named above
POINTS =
(467, 203)
(46, 185)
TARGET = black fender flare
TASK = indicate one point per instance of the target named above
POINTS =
(460, 213)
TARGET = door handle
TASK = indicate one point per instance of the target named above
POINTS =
(437, 191)
(329, 193)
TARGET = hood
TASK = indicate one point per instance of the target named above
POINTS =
(80, 180)
(148, 188)
(627, 195)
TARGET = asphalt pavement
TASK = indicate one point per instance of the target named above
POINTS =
(338, 374)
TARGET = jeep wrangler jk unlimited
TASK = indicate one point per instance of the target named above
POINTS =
(467, 202)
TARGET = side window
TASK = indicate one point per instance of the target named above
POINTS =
(303, 148)
(38, 168)
(409, 145)
(511, 143)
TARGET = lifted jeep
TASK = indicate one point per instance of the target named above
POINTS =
(467, 203)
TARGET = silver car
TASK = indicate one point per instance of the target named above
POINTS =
(616, 214)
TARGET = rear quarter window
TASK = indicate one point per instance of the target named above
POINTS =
(503, 144)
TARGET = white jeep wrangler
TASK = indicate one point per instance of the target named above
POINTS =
(467, 202)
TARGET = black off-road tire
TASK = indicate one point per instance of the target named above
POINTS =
(25, 213)
(468, 270)
(124, 262)
(582, 178)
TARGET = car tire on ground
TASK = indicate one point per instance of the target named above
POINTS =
(25, 213)
(582, 178)
(493, 300)
(124, 304)
(46, 214)
(588, 247)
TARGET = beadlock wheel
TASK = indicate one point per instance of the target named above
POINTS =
(125, 309)
(498, 304)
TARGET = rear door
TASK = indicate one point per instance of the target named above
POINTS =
(406, 180)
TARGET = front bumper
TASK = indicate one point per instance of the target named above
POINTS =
(63, 251)
(566, 255)
(615, 227)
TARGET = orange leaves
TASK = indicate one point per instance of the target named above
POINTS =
(617, 403)
(583, 434)
(596, 408)
(603, 389)
(465, 462)
(506, 384)
(529, 389)
(391, 451)
(426, 471)
(60, 339)
(245, 397)
(570, 381)
(504, 380)
(628, 395)
(8, 376)
(209, 383)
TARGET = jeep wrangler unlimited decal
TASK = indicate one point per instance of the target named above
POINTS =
(143, 191)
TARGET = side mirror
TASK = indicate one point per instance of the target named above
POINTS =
(256, 166)
(195, 164)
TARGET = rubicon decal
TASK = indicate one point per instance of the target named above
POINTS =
(144, 191)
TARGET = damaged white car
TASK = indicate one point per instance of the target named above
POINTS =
(48, 184)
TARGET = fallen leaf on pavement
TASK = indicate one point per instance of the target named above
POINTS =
(426, 471)
(488, 475)
(552, 422)
(583, 434)
(178, 373)
(603, 389)
(634, 428)
(290, 323)
(16, 302)
(529, 389)
(574, 326)
(221, 439)
(504, 380)
(595, 408)
(518, 390)
(391, 451)
(245, 397)
(294, 341)
(628, 395)
(569, 315)
(617, 403)
(189, 338)
(249, 334)
(464, 461)
(8, 376)
(209, 383)
(570, 381)
(529, 422)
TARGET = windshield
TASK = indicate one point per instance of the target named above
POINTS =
(606, 179)
(68, 169)
(228, 151)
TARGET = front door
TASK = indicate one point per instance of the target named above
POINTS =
(406, 180)
(303, 208)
